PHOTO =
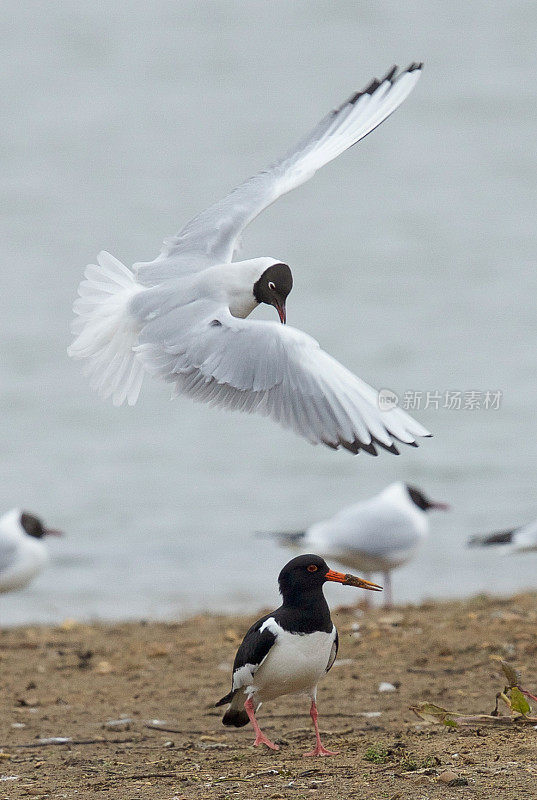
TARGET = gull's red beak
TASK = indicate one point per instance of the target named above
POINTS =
(351, 580)
(440, 506)
(53, 532)
(282, 313)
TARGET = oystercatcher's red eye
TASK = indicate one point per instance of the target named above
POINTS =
(312, 568)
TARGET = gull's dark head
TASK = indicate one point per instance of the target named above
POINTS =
(273, 287)
(305, 575)
(34, 527)
(419, 500)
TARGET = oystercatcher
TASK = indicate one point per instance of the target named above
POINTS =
(289, 650)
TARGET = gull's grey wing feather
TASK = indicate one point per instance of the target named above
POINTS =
(277, 371)
(211, 237)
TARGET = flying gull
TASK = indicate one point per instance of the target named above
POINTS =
(183, 317)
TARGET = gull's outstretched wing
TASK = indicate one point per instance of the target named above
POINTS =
(277, 371)
(211, 237)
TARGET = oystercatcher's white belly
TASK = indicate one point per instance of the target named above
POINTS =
(295, 663)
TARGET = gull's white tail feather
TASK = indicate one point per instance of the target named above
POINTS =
(105, 331)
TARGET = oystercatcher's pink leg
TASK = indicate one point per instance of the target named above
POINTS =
(320, 749)
(260, 737)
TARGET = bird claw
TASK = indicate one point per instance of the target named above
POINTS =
(320, 750)
(262, 739)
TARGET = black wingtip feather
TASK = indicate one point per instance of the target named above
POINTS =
(356, 446)
(389, 75)
(352, 447)
(390, 448)
(331, 445)
(224, 700)
(369, 448)
(372, 87)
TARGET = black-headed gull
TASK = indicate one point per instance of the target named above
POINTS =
(22, 551)
(289, 650)
(512, 540)
(182, 317)
(375, 535)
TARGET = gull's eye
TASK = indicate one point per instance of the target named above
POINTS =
(271, 285)
(312, 568)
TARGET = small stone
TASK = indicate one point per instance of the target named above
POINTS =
(56, 740)
(123, 724)
(27, 702)
(452, 779)
(104, 668)
(386, 687)
(447, 776)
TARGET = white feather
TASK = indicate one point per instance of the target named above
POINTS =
(375, 535)
(106, 332)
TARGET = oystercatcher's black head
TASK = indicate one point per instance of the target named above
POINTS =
(34, 527)
(305, 575)
(419, 499)
(273, 287)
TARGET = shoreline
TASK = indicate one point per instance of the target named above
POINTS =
(136, 702)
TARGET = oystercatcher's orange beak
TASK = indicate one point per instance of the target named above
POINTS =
(351, 580)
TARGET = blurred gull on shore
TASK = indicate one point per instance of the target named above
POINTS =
(375, 535)
(22, 551)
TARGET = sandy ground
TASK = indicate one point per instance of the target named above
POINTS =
(155, 685)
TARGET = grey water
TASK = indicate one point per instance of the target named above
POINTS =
(414, 263)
